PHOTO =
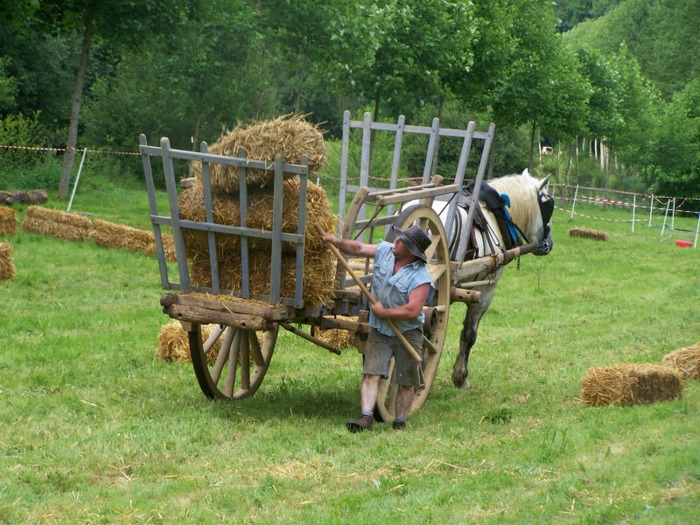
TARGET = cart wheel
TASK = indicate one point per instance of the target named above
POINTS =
(240, 365)
(437, 314)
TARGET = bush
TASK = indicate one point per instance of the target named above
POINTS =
(45, 174)
(18, 130)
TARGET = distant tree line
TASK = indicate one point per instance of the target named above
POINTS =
(611, 86)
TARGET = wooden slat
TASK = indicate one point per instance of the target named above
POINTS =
(425, 130)
(205, 316)
(464, 296)
(345, 324)
(411, 193)
(310, 338)
(268, 312)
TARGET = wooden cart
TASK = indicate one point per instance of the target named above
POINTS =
(246, 325)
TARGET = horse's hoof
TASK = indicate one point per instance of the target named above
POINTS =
(460, 381)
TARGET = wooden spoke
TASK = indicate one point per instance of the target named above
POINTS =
(436, 271)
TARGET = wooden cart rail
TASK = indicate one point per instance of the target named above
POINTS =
(241, 313)
(172, 219)
(434, 133)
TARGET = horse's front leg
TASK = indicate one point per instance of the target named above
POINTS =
(467, 338)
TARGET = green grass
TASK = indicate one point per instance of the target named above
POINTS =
(97, 429)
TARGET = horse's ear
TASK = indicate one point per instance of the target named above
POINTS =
(543, 183)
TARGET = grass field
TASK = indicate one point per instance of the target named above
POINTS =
(98, 429)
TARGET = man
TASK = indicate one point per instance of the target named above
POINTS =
(401, 285)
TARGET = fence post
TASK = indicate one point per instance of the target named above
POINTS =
(77, 178)
(634, 209)
(673, 214)
(651, 208)
(697, 228)
(663, 227)
(573, 204)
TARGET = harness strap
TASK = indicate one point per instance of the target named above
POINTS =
(496, 203)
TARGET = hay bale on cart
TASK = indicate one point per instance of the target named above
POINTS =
(292, 136)
(319, 267)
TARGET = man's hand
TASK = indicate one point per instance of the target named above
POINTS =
(379, 310)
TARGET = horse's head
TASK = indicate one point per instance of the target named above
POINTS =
(531, 208)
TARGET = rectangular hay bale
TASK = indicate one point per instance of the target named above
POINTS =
(55, 223)
(629, 384)
(119, 236)
(685, 360)
(8, 221)
(7, 267)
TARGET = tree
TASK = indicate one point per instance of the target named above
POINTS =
(38, 67)
(8, 85)
(675, 150)
(662, 35)
(408, 52)
(603, 118)
(117, 23)
(541, 85)
(212, 76)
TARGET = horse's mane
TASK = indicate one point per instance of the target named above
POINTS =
(522, 192)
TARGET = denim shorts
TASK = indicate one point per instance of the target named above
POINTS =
(379, 350)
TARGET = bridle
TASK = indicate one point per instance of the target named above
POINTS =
(546, 204)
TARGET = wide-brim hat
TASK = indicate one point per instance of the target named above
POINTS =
(415, 239)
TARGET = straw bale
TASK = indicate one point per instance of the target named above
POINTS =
(169, 247)
(8, 221)
(337, 337)
(55, 223)
(174, 345)
(588, 233)
(685, 360)
(119, 236)
(7, 267)
(630, 383)
(318, 283)
(291, 136)
(226, 210)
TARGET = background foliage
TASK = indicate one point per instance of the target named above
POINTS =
(608, 79)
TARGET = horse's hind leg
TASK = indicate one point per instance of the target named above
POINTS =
(467, 339)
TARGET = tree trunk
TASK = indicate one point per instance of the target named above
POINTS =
(532, 143)
(75, 110)
(300, 87)
(23, 197)
(566, 179)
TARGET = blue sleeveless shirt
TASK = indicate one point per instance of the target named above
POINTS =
(393, 290)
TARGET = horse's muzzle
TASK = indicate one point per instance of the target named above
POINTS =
(544, 247)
